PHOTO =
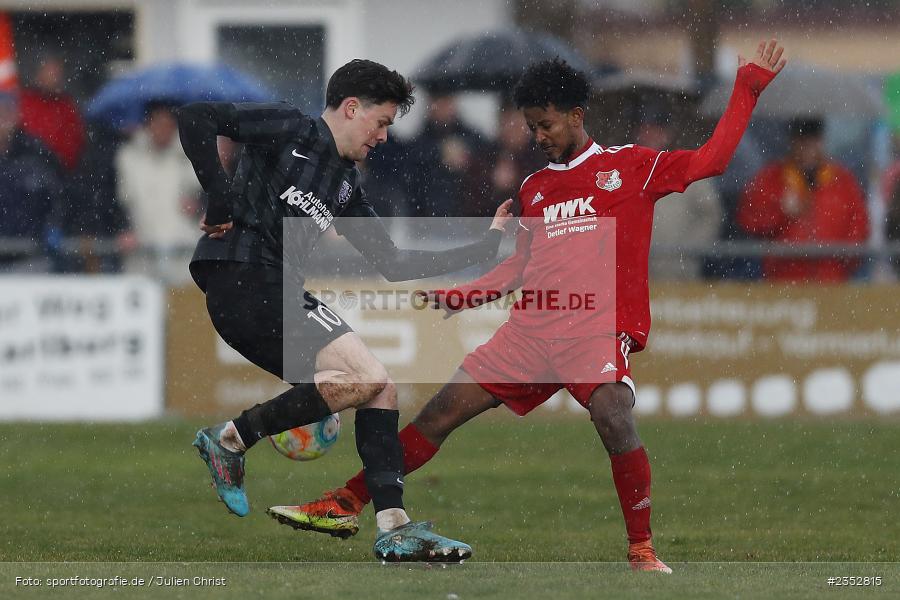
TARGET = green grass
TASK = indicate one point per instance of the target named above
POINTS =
(519, 490)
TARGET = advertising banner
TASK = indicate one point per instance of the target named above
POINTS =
(81, 348)
(720, 350)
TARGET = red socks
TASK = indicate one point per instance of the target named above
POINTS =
(416, 452)
(631, 474)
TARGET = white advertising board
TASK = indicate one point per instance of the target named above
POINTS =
(81, 348)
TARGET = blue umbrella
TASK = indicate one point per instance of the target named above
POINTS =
(121, 102)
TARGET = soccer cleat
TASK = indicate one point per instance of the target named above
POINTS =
(642, 557)
(415, 542)
(226, 468)
(335, 513)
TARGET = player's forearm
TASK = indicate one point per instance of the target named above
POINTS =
(713, 157)
(403, 265)
(500, 281)
(198, 126)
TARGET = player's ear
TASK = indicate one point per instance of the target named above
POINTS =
(576, 116)
(350, 106)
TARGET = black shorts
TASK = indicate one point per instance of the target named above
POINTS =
(246, 304)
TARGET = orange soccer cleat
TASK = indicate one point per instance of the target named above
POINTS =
(335, 513)
(642, 557)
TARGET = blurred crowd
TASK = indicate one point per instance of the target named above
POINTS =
(79, 197)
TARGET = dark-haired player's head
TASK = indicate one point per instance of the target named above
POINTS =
(553, 97)
(362, 99)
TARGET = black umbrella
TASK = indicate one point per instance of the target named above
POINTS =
(806, 90)
(493, 61)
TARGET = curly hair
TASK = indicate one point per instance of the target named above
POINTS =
(371, 82)
(552, 82)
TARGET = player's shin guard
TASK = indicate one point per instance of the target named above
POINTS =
(417, 451)
(300, 405)
(382, 457)
(631, 474)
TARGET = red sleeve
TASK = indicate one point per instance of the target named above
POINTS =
(759, 211)
(500, 281)
(674, 171)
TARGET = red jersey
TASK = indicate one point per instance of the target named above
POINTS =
(567, 213)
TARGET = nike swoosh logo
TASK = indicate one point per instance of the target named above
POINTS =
(298, 155)
(400, 481)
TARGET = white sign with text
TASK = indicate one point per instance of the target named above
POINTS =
(81, 348)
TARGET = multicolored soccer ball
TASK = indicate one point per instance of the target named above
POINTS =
(310, 441)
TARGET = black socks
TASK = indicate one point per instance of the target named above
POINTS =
(300, 405)
(382, 456)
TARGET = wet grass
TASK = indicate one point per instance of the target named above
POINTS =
(519, 490)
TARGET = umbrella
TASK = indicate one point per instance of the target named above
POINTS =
(644, 82)
(121, 101)
(806, 90)
(493, 61)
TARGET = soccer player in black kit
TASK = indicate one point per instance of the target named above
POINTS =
(293, 165)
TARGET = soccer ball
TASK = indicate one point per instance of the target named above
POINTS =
(310, 441)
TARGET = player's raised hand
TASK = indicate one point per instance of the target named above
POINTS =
(768, 56)
(503, 215)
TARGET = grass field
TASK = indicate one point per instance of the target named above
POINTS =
(533, 497)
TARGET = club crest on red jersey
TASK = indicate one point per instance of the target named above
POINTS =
(609, 180)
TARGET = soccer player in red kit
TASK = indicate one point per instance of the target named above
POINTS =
(564, 207)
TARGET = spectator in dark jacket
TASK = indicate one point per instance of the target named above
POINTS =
(30, 188)
(446, 166)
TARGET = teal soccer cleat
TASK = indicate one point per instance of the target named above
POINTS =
(226, 468)
(415, 542)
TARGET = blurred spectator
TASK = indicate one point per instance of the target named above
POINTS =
(157, 186)
(747, 161)
(694, 216)
(93, 219)
(892, 231)
(890, 181)
(383, 180)
(30, 187)
(512, 160)
(51, 115)
(445, 169)
(806, 198)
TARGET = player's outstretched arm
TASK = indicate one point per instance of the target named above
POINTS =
(369, 236)
(674, 171)
(752, 78)
(500, 281)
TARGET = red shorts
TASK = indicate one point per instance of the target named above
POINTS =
(523, 371)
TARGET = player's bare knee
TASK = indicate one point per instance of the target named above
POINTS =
(611, 407)
(372, 380)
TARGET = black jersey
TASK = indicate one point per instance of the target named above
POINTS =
(290, 167)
